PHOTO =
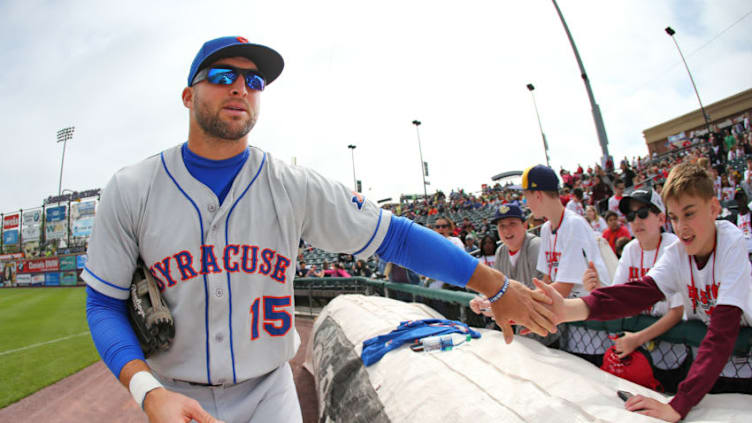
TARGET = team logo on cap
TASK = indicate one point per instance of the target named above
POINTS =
(242, 39)
(503, 210)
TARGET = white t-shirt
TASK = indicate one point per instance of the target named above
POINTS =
(613, 204)
(599, 225)
(514, 257)
(745, 225)
(634, 264)
(725, 280)
(564, 255)
(717, 187)
(576, 207)
(489, 260)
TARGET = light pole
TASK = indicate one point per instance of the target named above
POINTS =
(671, 33)
(63, 136)
(531, 88)
(599, 127)
(352, 148)
(422, 163)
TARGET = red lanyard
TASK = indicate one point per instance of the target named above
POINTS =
(660, 239)
(553, 249)
(693, 289)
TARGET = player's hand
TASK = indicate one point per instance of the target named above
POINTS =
(556, 305)
(481, 305)
(590, 279)
(626, 344)
(653, 408)
(525, 307)
(163, 406)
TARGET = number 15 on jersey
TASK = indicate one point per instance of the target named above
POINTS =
(277, 320)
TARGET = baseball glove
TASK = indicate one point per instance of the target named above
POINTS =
(148, 313)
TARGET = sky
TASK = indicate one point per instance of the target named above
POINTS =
(359, 73)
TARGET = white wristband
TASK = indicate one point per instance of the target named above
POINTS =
(140, 385)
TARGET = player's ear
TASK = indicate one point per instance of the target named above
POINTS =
(662, 218)
(188, 97)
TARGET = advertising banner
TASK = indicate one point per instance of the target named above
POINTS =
(23, 279)
(56, 226)
(82, 227)
(68, 278)
(31, 224)
(9, 257)
(67, 263)
(82, 210)
(37, 279)
(10, 237)
(49, 264)
(52, 279)
(81, 261)
(11, 221)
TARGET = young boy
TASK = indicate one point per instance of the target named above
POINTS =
(708, 266)
(613, 201)
(567, 245)
(645, 212)
(615, 229)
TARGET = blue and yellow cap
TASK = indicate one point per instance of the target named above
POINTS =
(540, 178)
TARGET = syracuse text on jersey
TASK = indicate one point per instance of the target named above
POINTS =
(234, 259)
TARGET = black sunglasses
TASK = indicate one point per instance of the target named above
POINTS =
(642, 213)
(441, 226)
(226, 75)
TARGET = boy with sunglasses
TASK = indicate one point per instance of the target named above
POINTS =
(644, 210)
(218, 223)
(707, 266)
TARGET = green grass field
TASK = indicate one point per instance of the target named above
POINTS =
(43, 338)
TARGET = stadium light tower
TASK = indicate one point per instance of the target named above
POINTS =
(422, 163)
(352, 148)
(671, 33)
(599, 126)
(531, 88)
(63, 136)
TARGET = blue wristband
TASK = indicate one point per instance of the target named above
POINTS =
(501, 292)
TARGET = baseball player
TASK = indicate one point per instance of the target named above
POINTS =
(708, 266)
(218, 225)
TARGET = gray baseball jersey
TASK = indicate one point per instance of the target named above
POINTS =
(226, 271)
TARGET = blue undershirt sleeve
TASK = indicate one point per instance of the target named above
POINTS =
(426, 252)
(111, 331)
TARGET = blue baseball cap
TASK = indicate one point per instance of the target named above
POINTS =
(268, 61)
(540, 178)
(507, 210)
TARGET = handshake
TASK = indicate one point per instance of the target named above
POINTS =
(538, 310)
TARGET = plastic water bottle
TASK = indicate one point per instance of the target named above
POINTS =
(440, 342)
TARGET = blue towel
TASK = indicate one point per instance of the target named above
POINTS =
(408, 332)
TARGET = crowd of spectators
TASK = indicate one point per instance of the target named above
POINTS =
(591, 191)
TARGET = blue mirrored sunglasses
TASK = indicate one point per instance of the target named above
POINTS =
(226, 75)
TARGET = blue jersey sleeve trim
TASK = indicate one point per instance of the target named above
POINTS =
(206, 289)
(426, 252)
(229, 287)
(104, 281)
(375, 231)
(111, 331)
